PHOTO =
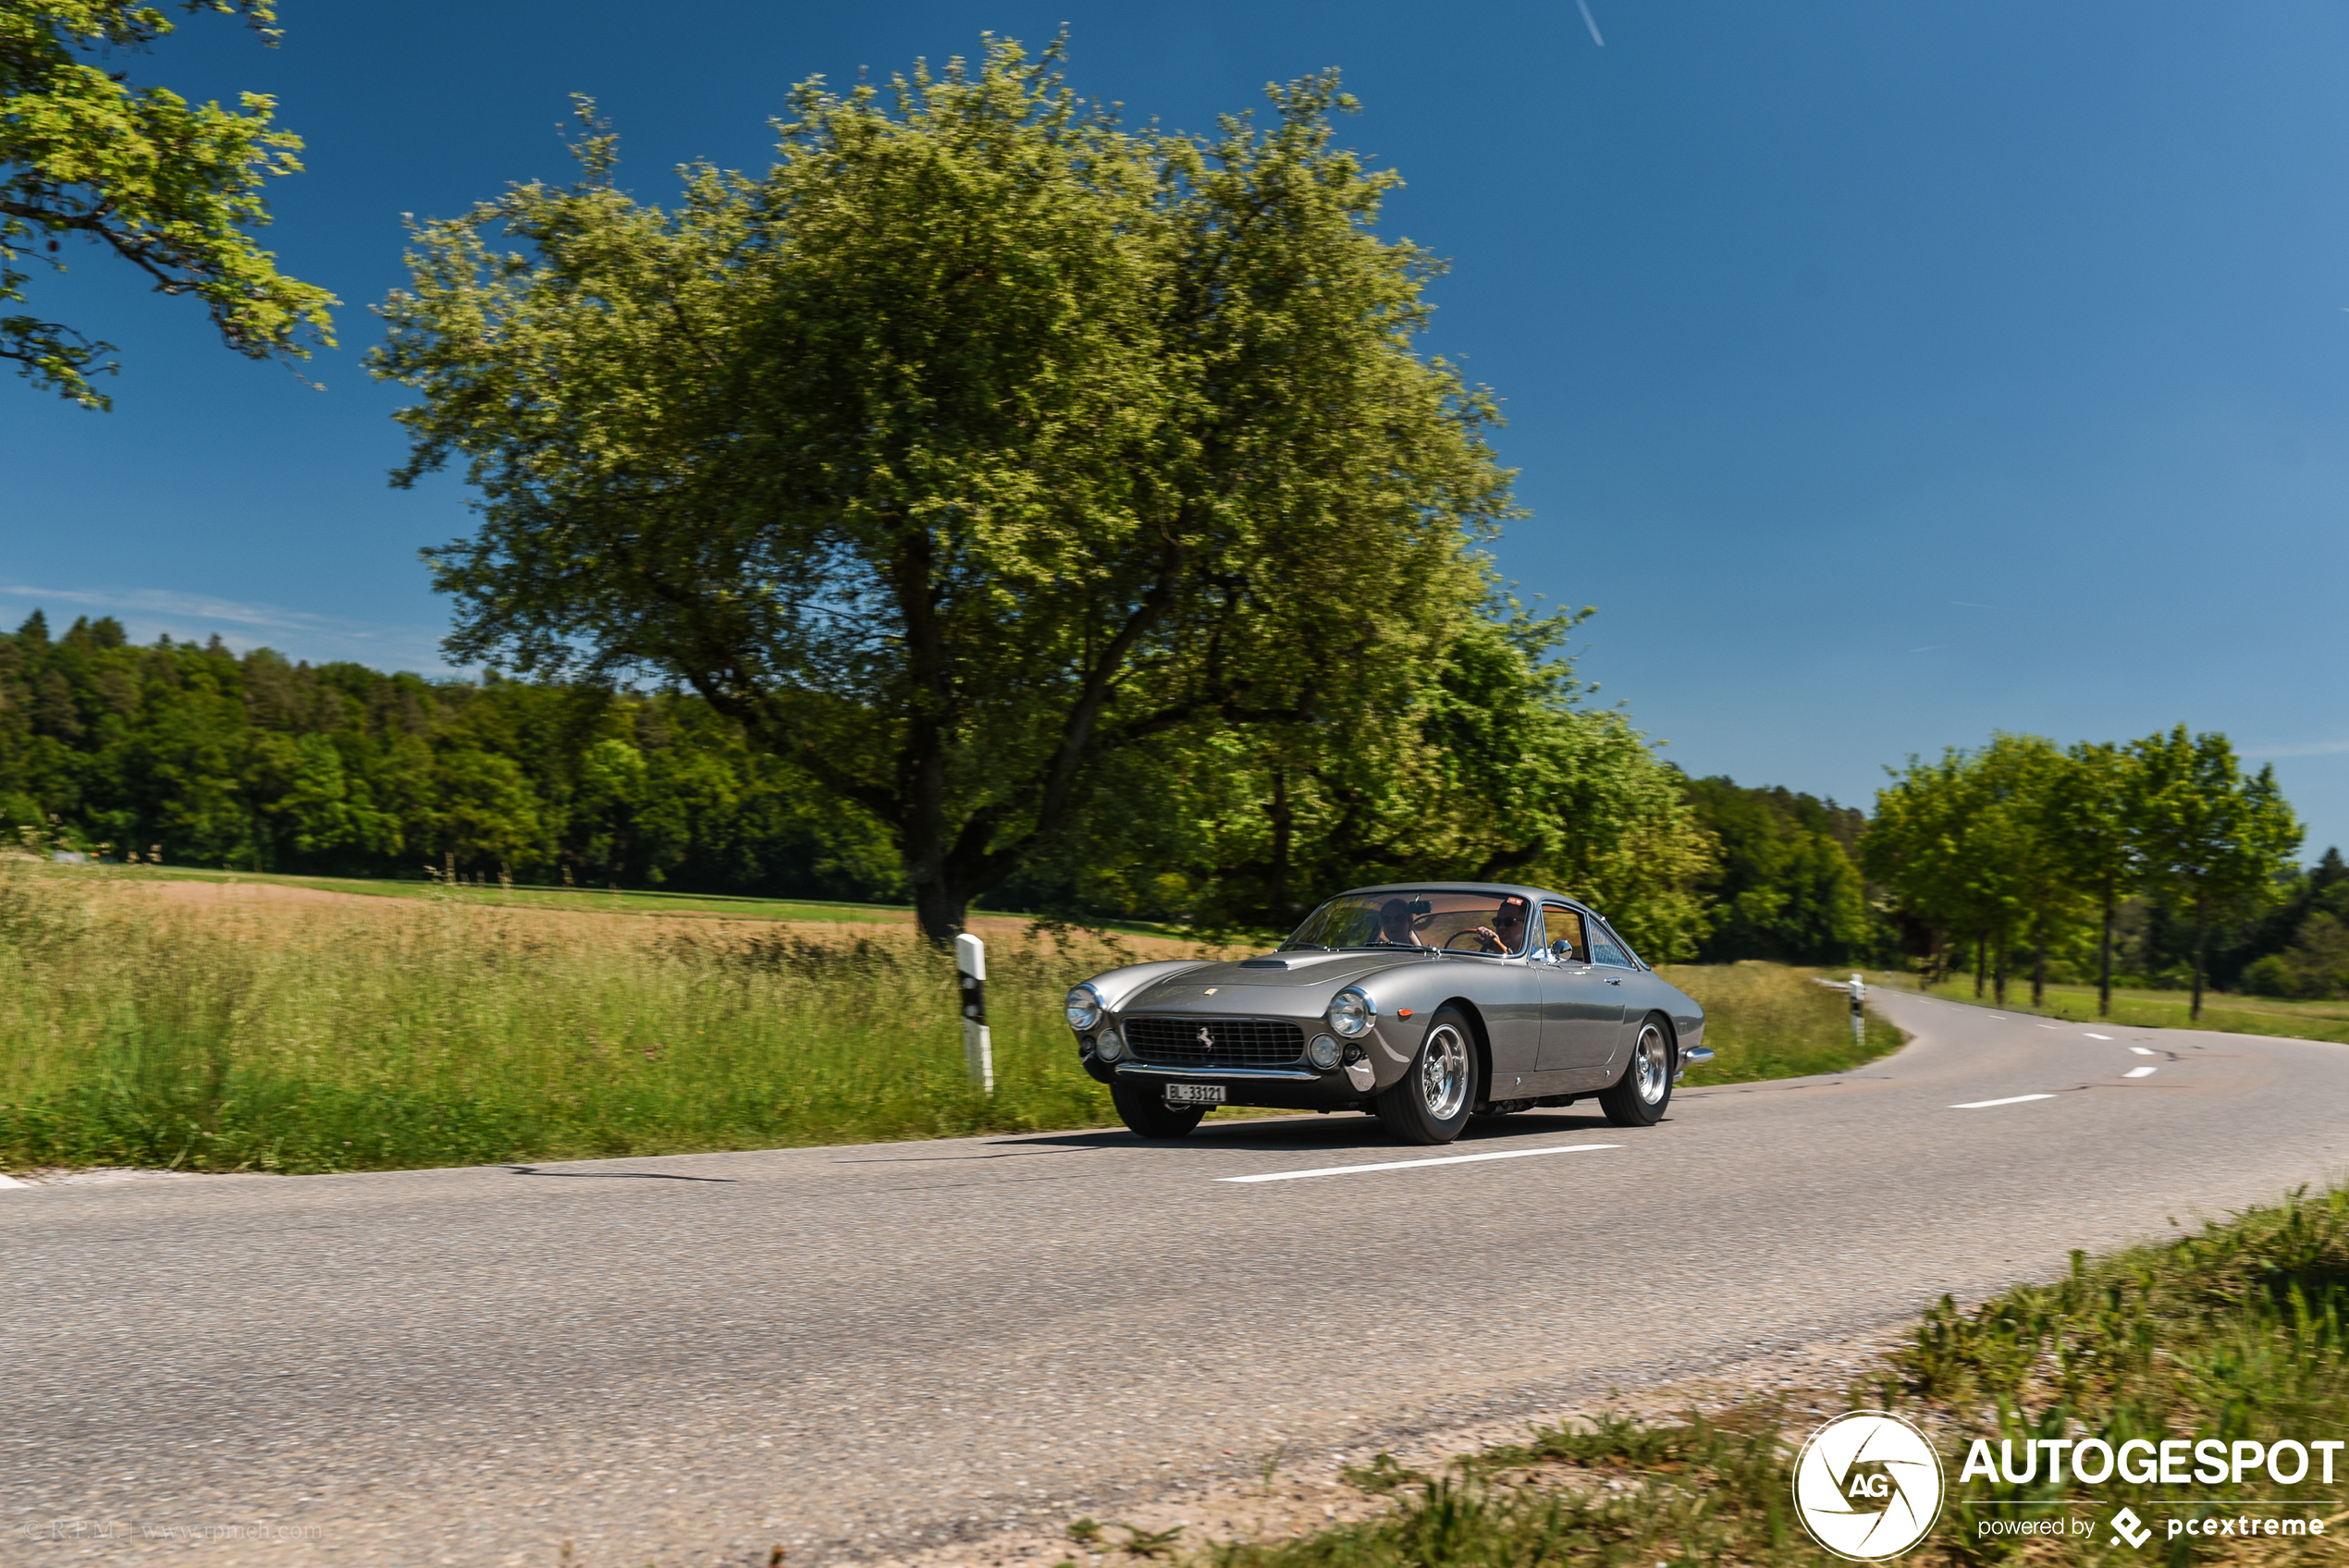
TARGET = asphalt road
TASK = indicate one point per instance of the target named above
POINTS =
(689, 1359)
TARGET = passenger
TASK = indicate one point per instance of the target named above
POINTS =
(1507, 933)
(1394, 926)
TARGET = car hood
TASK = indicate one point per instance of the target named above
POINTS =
(1319, 973)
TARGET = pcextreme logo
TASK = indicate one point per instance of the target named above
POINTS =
(1867, 1486)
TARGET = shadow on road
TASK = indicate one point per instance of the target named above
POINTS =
(1303, 1133)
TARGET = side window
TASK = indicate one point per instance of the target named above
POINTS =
(1604, 949)
(1562, 929)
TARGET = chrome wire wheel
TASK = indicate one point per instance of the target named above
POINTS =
(1445, 1072)
(1651, 1065)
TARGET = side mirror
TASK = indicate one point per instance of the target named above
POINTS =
(1562, 949)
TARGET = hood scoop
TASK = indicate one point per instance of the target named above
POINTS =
(1298, 961)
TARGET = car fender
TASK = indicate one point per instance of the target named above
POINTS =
(1114, 985)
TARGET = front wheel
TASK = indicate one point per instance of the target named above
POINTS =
(1145, 1113)
(1638, 1099)
(1432, 1102)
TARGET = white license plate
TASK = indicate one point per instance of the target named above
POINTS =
(1194, 1094)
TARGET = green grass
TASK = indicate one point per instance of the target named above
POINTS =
(402, 1034)
(633, 900)
(2234, 1331)
(442, 1029)
(2223, 1012)
(1768, 1021)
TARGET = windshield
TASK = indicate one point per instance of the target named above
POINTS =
(1432, 918)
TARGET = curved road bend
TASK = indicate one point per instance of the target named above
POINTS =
(688, 1359)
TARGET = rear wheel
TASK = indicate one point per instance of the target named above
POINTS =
(1432, 1102)
(1638, 1099)
(1143, 1108)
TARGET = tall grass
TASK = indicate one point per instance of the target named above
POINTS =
(393, 1035)
(1767, 1021)
(333, 1035)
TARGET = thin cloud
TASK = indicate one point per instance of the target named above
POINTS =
(1590, 22)
(149, 613)
(2312, 749)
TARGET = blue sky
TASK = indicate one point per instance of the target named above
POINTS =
(1885, 374)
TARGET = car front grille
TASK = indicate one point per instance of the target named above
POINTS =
(1236, 1042)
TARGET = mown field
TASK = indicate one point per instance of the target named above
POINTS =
(2221, 1011)
(261, 1026)
(2233, 1332)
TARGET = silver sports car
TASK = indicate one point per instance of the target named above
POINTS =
(1426, 1004)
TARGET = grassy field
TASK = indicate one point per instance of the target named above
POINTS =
(271, 1025)
(2234, 1332)
(2223, 1012)
(1769, 1021)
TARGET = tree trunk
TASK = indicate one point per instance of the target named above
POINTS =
(1981, 962)
(2201, 939)
(2104, 955)
(939, 910)
(1998, 974)
(2039, 966)
(1283, 828)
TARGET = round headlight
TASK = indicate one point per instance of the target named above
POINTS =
(1323, 1052)
(1350, 1013)
(1084, 1008)
(1111, 1045)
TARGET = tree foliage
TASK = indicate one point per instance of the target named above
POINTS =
(2021, 839)
(977, 444)
(200, 756)
(173, 187)
(1784, 886)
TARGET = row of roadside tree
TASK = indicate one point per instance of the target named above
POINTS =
(2006, 850)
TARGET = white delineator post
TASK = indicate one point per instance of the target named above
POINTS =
(1858, 1007)
(979, 1055)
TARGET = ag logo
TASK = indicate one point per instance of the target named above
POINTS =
(1867, 1486)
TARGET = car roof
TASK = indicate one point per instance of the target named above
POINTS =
(1431, 885)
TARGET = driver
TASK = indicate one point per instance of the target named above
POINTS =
(1507, 931)
(1394, 927)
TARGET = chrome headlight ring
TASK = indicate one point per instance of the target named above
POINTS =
(1083, 1008)
(1351, 1013)
(1109, 1045)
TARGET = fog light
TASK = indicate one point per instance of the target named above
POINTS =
(1355, 1053)
(1111, 1045)
(1323, 1052)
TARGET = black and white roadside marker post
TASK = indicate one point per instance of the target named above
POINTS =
(1859, 1009)
(979, 1055)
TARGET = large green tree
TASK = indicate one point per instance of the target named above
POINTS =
(979, 442)
(2217, 840)
(173, 187)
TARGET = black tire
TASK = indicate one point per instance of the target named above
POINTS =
(1638, 1099)
(1145, 1113)
(1435, 1098)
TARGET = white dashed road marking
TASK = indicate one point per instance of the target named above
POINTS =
(2011, 1099)
(2142, 1051)
(2139, 1071)
(1412, 1164)
(2094, 1035)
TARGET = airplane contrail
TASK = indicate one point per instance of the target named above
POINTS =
(1584, 6)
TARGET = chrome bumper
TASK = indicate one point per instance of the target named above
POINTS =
(1286, 1074)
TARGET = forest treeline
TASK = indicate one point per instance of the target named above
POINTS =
(197, 755)
(201, 756)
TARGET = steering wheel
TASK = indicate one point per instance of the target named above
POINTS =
(1484, 943)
